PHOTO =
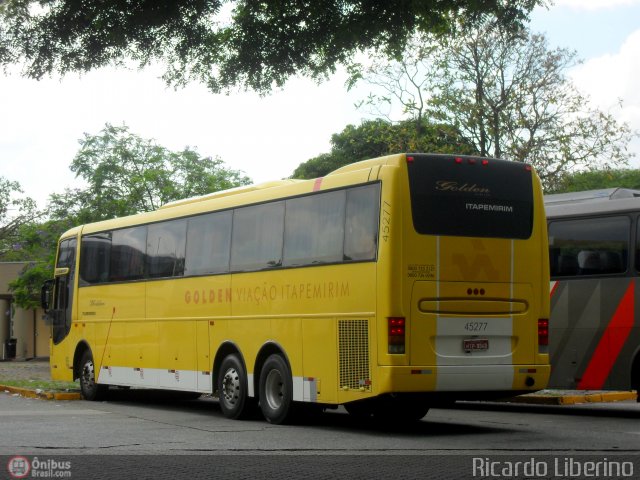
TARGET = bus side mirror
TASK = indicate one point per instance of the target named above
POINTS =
(45, 295)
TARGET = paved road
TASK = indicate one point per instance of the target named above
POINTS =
(138, 432)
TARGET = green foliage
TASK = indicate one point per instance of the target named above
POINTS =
(375, 138)
(506, 92)
(26, 288)
(49, 386)
(598, 179)
(37, 244)
(225, 44)
(127, 174)
(16, 210)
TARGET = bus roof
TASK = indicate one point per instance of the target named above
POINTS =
(230, 191)
(359, 172)
(592, 201)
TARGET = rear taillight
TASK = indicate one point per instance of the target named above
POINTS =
(543, 332)
(396, 329)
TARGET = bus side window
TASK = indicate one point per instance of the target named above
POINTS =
(208, 243)
(589, 262)
(95, 258)
(361, 227)
(567, 265)
(127, 254)
(589, 246)
(257, 236)
(314, 229)
(166, 249)
(638, 244)
(610, 262)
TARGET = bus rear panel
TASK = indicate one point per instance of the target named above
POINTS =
(474, 280)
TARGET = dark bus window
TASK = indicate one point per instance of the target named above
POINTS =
(127, 254)
(638, 246)
(470, 197)
(60, 312)
(257, 237)
(208, 244)
(165, 249)
(361, 225)
(95, 255)
(67, 253)
(589, 246)
(314, 229)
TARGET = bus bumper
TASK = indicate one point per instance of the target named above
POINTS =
(464, 378)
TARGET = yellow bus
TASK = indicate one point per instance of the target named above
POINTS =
(386, 286)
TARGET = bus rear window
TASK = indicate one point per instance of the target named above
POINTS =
(470, 197)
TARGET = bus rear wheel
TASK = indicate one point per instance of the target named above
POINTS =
(90, 390)
(232, 388)
(276, 390)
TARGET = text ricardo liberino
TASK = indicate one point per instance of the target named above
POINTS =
(559, 467)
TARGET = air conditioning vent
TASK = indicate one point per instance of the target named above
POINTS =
(353, 345)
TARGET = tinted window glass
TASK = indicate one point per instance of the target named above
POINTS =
(314, 229)
(470, 198)
(638, 245)
(209, 244)
(589, 246)
(63, 291)
(95, 258)
(361, 226)
(67, 253)
(127, 254)
(165, 249)
(257, 237)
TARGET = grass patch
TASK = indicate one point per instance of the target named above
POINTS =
(49, 386)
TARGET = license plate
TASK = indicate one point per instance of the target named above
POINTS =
(475, 344)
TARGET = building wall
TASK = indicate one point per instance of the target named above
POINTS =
(28, 327)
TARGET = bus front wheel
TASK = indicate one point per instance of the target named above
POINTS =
(90, 390)
(232, 388)
(276, 390)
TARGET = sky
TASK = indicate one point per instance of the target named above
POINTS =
(41, 122)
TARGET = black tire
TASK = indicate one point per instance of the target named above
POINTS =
(233, 388)
(88, 387)
(276, 391)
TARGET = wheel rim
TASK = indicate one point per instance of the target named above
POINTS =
(273, 389)
(88, 376)
(231, 387)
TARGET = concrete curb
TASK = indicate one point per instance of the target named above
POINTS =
(573, 398)
(550, 398)
(44, 395)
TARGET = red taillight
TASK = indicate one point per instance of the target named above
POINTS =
(410, 159)
(543, 331)
(485, 163)
(396, 329)
(458, 160)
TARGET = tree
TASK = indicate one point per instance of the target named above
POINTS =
(127, 174)
(18, 215)
(224, 43)
(374, 138)
(598, 179)
(508, 94)
(16, 210)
